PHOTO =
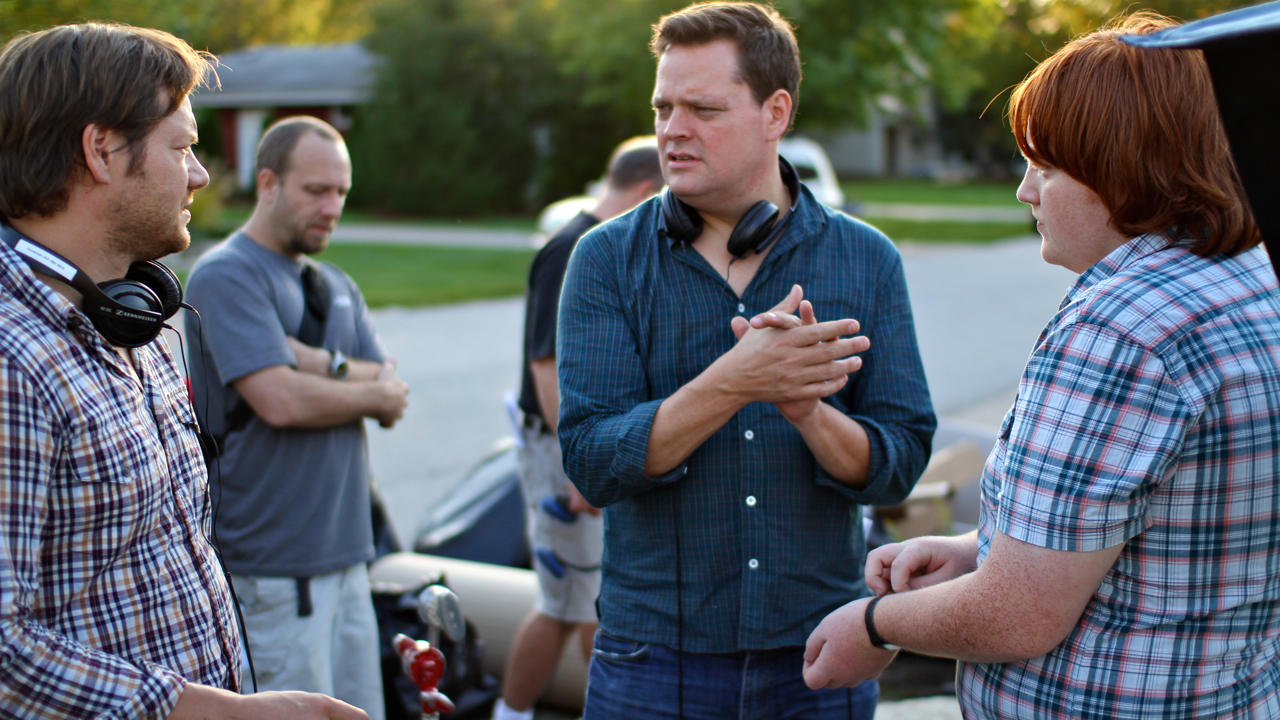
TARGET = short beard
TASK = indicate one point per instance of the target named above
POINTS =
(299, 243)
(143, 230)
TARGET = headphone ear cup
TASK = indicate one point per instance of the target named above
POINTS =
(683, 222)
(120, 329)
(161, 280)
(753, 231)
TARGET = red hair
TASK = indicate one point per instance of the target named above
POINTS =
(1140, 128)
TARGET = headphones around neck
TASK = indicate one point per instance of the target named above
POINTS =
(756, 229)
(129, 312)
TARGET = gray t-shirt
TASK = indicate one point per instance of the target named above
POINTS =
(294, 502)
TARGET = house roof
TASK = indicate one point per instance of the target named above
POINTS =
(292, 76)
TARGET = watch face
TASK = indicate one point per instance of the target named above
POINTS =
(338, 367)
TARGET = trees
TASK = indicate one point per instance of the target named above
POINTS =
(215, 26)
(1023, 33)
(503, 105)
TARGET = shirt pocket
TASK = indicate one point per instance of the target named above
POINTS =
(110, 496)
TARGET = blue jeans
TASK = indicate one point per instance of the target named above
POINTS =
(639, 680)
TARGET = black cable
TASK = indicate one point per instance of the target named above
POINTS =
(217, 502)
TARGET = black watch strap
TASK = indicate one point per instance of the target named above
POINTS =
(869, 619)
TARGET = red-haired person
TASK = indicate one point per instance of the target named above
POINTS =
(1127, 558)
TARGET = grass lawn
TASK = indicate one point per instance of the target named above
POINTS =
(928, 192)
(234, 216)
(413, 276)
(948, 230)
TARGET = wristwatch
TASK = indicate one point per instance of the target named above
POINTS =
(869, 619)
(338, 366)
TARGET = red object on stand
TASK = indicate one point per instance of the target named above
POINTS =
(425, 666)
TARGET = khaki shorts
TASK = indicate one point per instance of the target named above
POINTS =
(577, 545)
(333, 651)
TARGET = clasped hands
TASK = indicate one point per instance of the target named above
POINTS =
(791, 359)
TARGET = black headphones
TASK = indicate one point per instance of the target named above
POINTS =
(756, 229)
(129, 312)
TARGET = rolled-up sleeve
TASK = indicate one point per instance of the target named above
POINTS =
(605, 411)
(889, 398)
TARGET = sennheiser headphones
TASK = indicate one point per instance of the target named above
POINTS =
(129, 312)
(756, 229)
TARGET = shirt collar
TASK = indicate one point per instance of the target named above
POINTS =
(806, 219)
(17, 278)
(1122, 257)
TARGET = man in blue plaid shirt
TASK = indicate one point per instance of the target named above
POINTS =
(732, 461)
(1127, 564)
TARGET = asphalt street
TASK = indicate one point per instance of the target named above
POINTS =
(978, 310)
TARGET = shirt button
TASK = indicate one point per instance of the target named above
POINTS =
(749, 435)
(753, 563)
(751, 501)
(742, 308)
(74, 322)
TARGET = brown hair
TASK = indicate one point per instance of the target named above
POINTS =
(768, 56)
(278, 142)
(636, 161)
(55, 82)
(1140, 128)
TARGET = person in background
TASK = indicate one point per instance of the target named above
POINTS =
(293, 366)
(112, 603)
(569, 576)
(732, 461)
(1126, 561)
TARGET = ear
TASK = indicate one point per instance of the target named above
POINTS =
(777, 114)
(100, 157)
(268, 184)
(647, 189)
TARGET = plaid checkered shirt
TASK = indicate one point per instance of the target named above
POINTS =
(770, 543)
(110, 594)
(1147, 415)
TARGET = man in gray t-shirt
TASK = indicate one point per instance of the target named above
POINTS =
(290, 367)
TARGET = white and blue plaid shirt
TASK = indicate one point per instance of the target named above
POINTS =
(1149, 414)
(110, 594)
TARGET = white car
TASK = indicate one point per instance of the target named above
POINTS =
(808, 157)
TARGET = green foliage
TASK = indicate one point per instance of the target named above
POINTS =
(503, 105)
(449, 131)
(215, 26)
(1019, 35)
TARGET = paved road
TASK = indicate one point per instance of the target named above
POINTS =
(978, 310)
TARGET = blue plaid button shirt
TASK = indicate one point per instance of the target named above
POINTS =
(110, 594)
(770, 542)
(1147, 415)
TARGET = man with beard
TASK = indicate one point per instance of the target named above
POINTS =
(111, 600)
(291, 368)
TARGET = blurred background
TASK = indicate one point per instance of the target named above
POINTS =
(475, 125)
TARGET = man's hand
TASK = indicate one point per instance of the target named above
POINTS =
(781, 317)
(793, 363)
(839, 653)
(393, 395)
(920, 562)
(206, 703)
(579, 504)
